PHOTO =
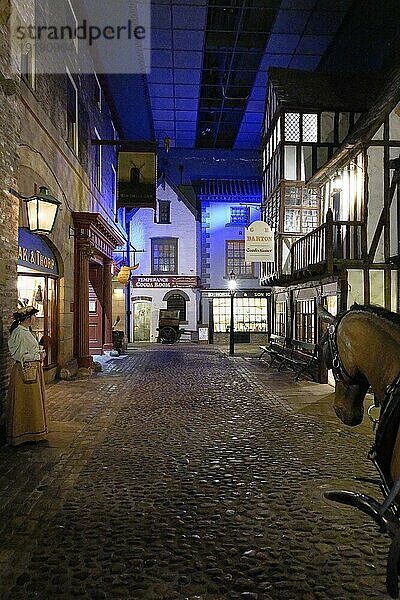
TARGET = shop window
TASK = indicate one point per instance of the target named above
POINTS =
(177, 302)
(240, 215)
(164, 256)
(164, 211)
(250, 315)
(280, 318)
(40, 291)
(305, 320)
(234, 260)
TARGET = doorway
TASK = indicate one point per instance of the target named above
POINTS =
(141, 320)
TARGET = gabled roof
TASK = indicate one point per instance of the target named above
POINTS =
(383, 104)
(368, 123)
(227, 189)
(187, 194)
(324, 91)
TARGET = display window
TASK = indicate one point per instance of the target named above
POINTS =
(40, 291)
(250, 314)
(38, 286)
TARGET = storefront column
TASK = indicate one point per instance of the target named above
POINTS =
(107, 304)
(83, 252)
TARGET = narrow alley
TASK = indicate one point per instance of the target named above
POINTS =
(182, 473)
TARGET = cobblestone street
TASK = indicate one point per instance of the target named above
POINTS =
(182, 473)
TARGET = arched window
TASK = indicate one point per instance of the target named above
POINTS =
(177, 302)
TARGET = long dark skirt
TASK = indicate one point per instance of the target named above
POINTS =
(26, 412)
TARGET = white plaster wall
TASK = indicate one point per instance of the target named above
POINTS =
(394, 125)
(394, 152)
(355, 279)
(184, 227)
(375, 197)
(219, 234)
(376, 279)
(157, 302)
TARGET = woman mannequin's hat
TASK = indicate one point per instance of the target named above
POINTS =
(25, 313)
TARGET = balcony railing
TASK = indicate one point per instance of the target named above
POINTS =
(333, 243)
(281, 267)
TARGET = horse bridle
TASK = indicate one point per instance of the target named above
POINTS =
(338, 369)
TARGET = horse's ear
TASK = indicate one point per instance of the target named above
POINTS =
(324, 314)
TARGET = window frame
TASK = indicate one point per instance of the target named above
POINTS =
(236, 220)
(162, 204)
(237, 263)
(182, 311)
(160, 241)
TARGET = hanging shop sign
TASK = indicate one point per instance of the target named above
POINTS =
(259, 243)
(34, 253)
(164, 282)
(136, 180)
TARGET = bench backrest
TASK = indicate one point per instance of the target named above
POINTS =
(306, 347)
(278, 340)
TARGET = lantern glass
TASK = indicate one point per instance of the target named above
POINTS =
(232, 284)
(42, 211)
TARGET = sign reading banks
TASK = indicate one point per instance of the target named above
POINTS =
(259, 243)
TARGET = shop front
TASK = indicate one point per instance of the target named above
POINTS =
(38, 276)
(250, 315)
(95, 241)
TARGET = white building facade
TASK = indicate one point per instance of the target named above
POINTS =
(168, 244)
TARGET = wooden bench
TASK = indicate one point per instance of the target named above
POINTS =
(303, 359)
(276, 349)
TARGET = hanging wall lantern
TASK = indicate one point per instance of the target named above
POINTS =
(42, 209)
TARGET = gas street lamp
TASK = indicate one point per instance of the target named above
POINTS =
(232, 290)
(42, 209)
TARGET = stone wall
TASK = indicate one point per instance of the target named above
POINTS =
(9, 205)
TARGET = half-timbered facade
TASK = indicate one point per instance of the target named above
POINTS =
(330, 193)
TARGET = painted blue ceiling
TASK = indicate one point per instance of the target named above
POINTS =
(209, 63)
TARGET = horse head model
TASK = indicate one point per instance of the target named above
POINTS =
(362, 347)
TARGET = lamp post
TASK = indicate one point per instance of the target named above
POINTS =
(232, 290)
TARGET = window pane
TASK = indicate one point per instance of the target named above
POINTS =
(327, 127)
(290, 162)
(177, 302)
(240, 215)
(280, 318)
(164, 255)
(304, 325)
(310, 128)
(292, 127)
(235, 259)
(164, 211)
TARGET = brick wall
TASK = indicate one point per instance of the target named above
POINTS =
(9, 205)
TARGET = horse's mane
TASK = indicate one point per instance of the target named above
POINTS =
(378, 311)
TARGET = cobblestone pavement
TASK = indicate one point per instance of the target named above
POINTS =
(182, 473)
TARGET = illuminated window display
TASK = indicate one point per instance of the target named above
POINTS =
(250, 314)
(37, 286)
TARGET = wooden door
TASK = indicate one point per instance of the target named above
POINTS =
(141, 321)
(95, 310)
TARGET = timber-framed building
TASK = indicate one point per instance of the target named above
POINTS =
(331, 168)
